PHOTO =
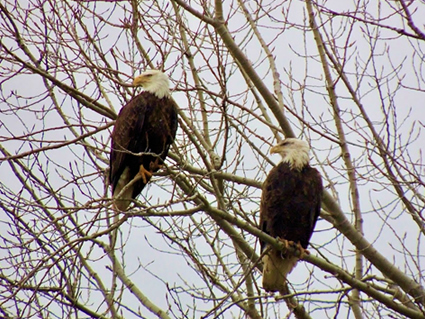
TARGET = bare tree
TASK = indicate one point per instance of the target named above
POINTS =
(347, 78)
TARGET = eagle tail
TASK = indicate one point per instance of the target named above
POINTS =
(124, 201)
(275, 270)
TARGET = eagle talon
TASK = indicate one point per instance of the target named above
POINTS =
(286, 244)
(303, 251)
(296, 246)
(144, 173)
(154, 166)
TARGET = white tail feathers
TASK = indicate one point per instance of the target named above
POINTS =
(124, 201)
(275, 270)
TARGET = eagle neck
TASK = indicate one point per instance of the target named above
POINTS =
(159, 92)
(160, 88)
(296, 160)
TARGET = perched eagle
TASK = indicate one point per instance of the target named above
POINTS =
(142, 135)
(290, 206)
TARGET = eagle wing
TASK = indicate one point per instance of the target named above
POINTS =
(316, 196)
(126, 136)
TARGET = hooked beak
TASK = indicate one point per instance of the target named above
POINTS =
(274, 150)
(139, 80)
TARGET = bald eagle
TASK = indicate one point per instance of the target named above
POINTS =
(290, 206)
(143, 132)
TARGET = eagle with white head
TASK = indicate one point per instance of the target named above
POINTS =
(143, 132)
(290, 206)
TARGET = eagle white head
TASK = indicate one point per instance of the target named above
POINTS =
(155, 82)
(293, 151)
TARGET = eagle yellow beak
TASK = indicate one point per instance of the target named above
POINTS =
(139, 80)
(275, 149)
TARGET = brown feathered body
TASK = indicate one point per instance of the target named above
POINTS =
(143, 132)
(290, 206)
